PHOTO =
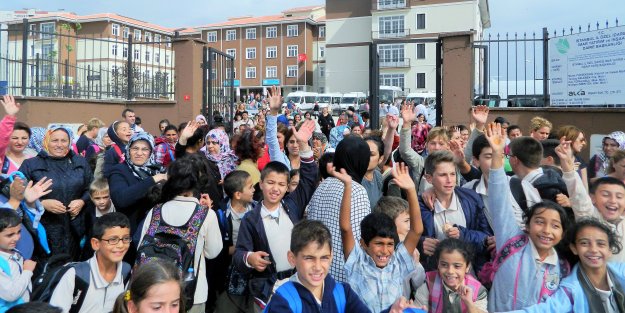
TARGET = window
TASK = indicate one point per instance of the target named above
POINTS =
(148, 37)
(157, 57)
(211, 36)
(157, 38)
(391, 26)
(250, 72)
(166, 58)
(47, 50)
(421, 21)
(250, 33)
(137, 35)
(147, 56)
(33, 28)
(291, 51)
(396, 80)
(114, 50)
(168, 39)
(136, 54)
(250, 53)
(232, 53)
(231, 73)
(271, 72)
(420, 80)
(47, 30)
(322, 70)
(392, 56)
(292, 30)
(126, 33)
(115, 30)
(272, 52)
(125, 52)
(271, 32)
(420, 51)
(231, 35)
(32, 50)
(322, 32)
(322, 52)
(291, 71)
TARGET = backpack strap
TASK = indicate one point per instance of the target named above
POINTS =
(290, 294)
(516, 187)
(172, 157)
(119, 152)
(223, 225)
(433, 282)
(126, 272)
(339, 297)
(4, 266)
(155, 221)
(512, 246)
(82, 280)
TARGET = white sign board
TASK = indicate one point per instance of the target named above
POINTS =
(588, 68)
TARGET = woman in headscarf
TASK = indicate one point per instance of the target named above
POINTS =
(120, 133)
(218, 151)
(102, 141)
(14, 138)
(599, 163)
(71, 176)
(352, 154)
(36, 139)
(130, 181)
(201, 120)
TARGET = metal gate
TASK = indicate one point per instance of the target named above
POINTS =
(218, 87)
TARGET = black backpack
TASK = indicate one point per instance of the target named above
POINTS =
(53, 271)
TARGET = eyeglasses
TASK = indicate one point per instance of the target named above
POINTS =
(143, 150)
(113, 241)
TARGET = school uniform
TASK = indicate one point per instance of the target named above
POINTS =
(15, 284)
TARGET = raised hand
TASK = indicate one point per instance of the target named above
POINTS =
(33, 192)
(340, 175)
(408, 115)
(189, 130)
(16, 189)
(458, 150)
(305, 131)
(565, 153)
(392, 122)
(479, 114)
(275, 100)
(401, 177)
(496, 137)
(206, 201)
(10, 106)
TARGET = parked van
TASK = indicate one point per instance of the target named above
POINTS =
(419, 97)
(330, 100)
(388, 94)
(302, 99)
(354, 99)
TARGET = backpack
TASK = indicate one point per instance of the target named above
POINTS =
(169, 154)
(4, 305)
(434, 284)
(95, 147)
(53, 271)
(518, 194)
(174, 244)
(290, 294)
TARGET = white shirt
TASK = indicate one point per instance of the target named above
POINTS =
(453, 215)
(18, 284)
(278, 233)
(533, 175)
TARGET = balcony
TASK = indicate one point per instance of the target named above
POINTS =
(394, 63)
(390, 33)
(391, 4)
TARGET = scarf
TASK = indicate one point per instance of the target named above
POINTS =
(600, 168)
(48, 136)
(150, 167)
(352, 154)
(36, 139)
(99, 140)
(225, 159)
(200, 118)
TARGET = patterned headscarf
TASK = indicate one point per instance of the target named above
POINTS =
(48, 136)
(99, 140)
(150, 167)
(617, 136)
(226, 159)
(36, 139)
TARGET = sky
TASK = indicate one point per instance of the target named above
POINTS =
(506, 15)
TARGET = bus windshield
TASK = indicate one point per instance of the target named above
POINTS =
(386, 96)
(324, 99)
(295, 99)
(309, 99)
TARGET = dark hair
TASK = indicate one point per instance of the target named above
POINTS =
(182, 126)
(365, 115)
(549, 149)
(607, 180)
(170, 127)
(182, 176)
(352, 154)
(34, 307)
(137, 120)
(198, 135)
(462, 127)
(145, 277)
(528, 150)
(22, 126)
(378, 224)
(450, 245)
(324, 159)
(391, 206)
(378, 142)
(247, 146)
(478, 145)
(501, 120)
(613, 239)
(546, 205)
(110, 220)
(126, 111)
(275, 167)
(294, 172)
(9, 218)
(235, 182)
(308, 231)
(511, 128)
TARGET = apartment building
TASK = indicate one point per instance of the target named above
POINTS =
(353, 24)
(87, 53)
(287, 49)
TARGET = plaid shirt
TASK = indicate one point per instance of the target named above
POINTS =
(379, 287)
(325, 206)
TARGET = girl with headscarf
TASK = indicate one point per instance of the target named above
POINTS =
(102, 141)
(71, 176)
(130, 181)
(120, 133)
(218, 151)
(201, 120)
(600, 162)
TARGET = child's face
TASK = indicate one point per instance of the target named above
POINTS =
(380, 249)
(293, 183)
(515, 133)
(443, 179)
(274, 186)
(593, 248)
(485, 160)
(610, 201)
(374, 156)
(248, 191)
(312, 264)
(112, 253)
(163, 297)
(437, 144)
(102, 200)
(452, 267)
(545, 229)
(402, 222)
(9, 238)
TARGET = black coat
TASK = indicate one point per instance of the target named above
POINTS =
(130, 194)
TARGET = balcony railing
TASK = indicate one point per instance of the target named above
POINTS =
(391, 4)
(390, 33)
(394, 63)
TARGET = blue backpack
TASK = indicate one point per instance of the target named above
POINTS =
(290, 294)
(5, 305)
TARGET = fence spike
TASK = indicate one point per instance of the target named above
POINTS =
(571, 30)
(563, 31)
(617, 21)
(497, 36)
(588, 26)
(597, 24)
(580, 28)
(534, 35)
(524, 35)
(606, 24)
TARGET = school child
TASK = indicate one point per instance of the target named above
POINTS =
(106, 272)
(595, 285)
(15, 272)
(451, 288)
(373, 267)
(264, 235)
(526, 269)
(155, 287)
(398, 210)
(312, 288)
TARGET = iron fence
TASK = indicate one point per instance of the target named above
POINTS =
(59, 63)
(218, 86)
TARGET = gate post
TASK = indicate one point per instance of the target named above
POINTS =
(458, 76)
(374, 87)
(546, 66)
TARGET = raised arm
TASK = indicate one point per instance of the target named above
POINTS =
(271, 129)
(401, 177)
(580, 200)
(11, 108)
(479, 116)
(345, 223)
(412, 158)
(392, 123)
